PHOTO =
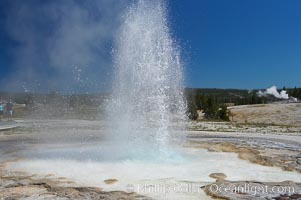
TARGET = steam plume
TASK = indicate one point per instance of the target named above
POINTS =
(274, 92)
(56, 40)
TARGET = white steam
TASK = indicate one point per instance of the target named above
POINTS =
(273, 92)
(55, 38)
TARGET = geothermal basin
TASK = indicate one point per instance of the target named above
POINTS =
(144, 144)
(54, 149)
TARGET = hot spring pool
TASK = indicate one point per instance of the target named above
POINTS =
(180, 174)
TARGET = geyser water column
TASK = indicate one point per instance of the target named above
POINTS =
(147, 98)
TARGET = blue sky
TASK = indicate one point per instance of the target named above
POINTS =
(240, 44)
(225, 43)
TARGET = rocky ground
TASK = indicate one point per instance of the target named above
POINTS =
(249, 190)
(18, 185)
(280, 150)
(264, 134)
(267, 134)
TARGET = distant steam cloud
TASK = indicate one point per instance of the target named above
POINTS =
(273, 92)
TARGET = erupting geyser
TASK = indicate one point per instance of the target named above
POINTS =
(147, 96)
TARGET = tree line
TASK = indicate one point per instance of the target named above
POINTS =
(213, 102)
(294, 92)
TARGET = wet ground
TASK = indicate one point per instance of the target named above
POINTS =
(48, 157)
(6, 125)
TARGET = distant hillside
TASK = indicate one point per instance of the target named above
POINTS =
(86, 105)
(237, 96)
(214, 102)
